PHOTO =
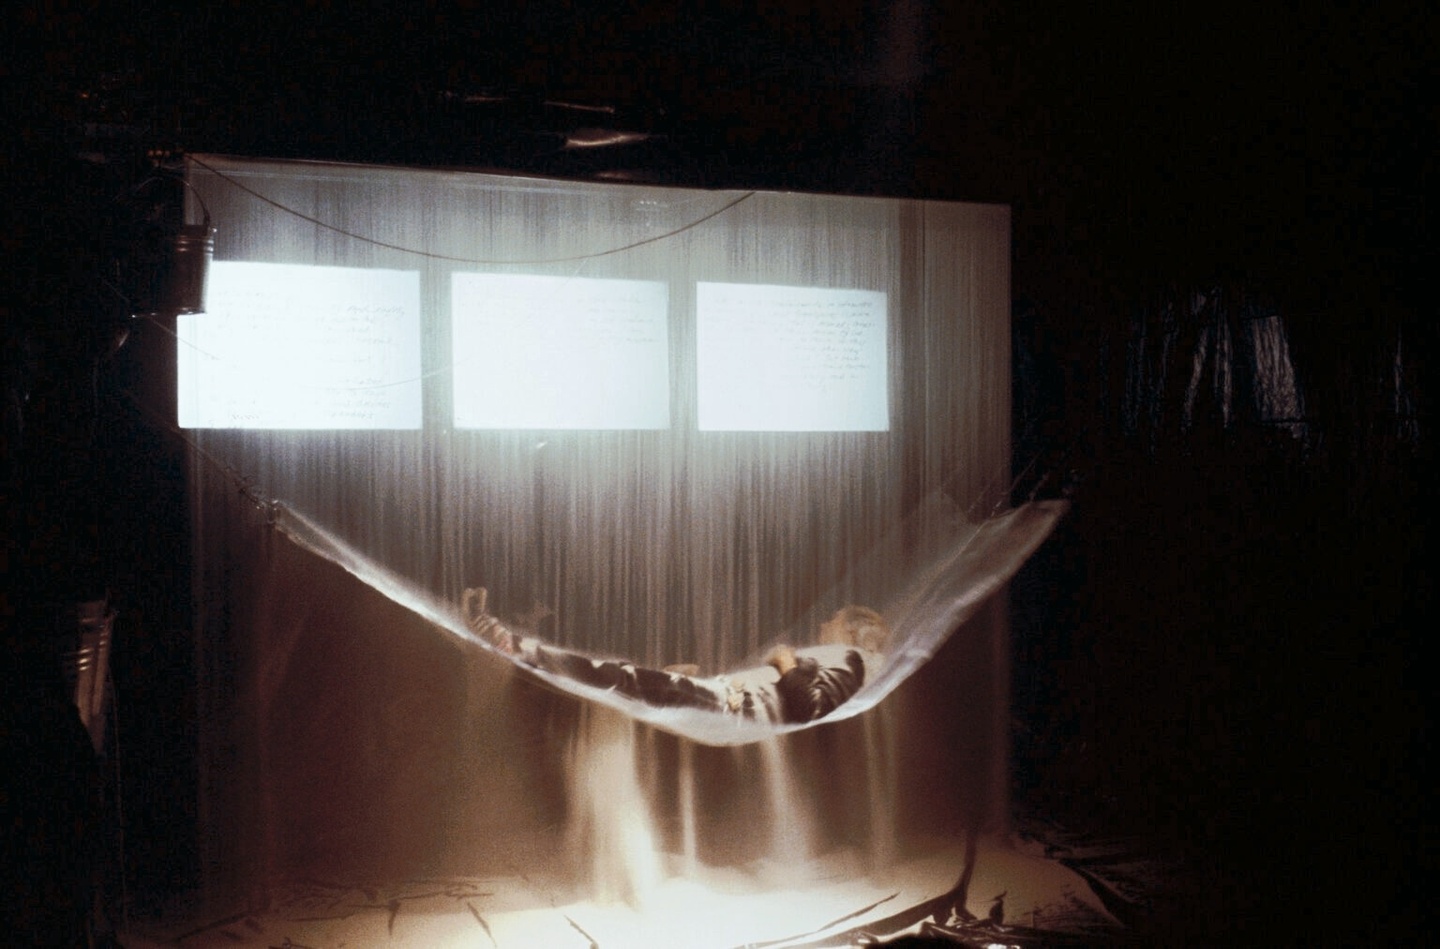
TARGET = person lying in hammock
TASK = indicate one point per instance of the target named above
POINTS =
(794, 686)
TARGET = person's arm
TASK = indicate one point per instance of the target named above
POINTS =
(809, 690)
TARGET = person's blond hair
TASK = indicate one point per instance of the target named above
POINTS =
(864, 627)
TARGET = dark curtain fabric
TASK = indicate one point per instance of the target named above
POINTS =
(1218, 649)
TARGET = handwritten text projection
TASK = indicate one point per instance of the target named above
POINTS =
(791, 359)
(537, 352)
(288, 346)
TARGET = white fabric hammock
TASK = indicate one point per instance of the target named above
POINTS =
(956, 567)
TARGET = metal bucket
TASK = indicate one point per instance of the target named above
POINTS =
(188, 269)
(87, 667)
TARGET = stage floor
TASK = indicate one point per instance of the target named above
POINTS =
(825, 902)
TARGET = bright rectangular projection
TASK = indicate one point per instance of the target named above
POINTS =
(290, 346)
(791, 359)
(540, 352)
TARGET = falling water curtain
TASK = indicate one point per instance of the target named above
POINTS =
(685, 536)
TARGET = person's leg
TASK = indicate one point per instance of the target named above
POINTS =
(676, 689)
(652, 686)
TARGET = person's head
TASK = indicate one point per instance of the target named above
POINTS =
(856, 626)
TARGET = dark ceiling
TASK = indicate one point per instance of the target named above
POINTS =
(1229, 131)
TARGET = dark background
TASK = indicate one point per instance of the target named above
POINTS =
(1219, 652)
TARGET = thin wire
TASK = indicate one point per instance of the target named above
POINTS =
(467, 260)
(204, 209)
(244, 486)
(423, 377)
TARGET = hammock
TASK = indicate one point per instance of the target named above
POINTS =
(957, 566)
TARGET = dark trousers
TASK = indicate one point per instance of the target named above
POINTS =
(651, 686)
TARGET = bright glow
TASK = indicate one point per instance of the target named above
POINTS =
(791, 832)
(560, 352)
(302, 347)
(610, 818)
(776, 359)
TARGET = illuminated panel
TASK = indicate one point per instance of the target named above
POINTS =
(287, 346)
(560, 352)
(791, 359)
